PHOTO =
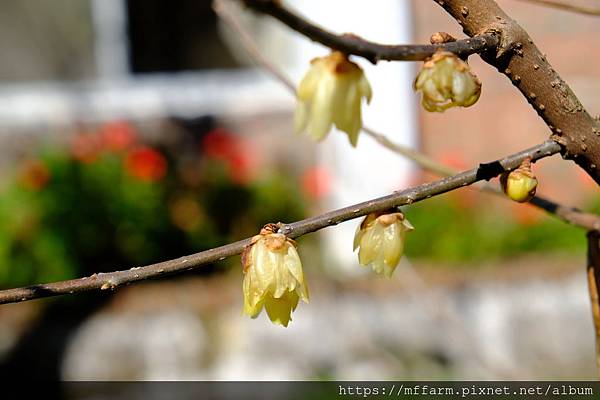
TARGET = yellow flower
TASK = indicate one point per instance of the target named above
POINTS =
(331, 93)
(446, 81)
(381, 240)
(273, 276)
(520, 185)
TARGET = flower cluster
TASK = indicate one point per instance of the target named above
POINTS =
(331, 94)
(380, 240)
(446, 81)
(273, 276)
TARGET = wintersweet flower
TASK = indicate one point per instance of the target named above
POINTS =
(447, 81)
(273, 276)
(520, 185)
(380, 237)
(331, 93)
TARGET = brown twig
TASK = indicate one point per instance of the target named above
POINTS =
(352, 44)
(593, 276)
(595, 11)
(113, 280)
(568, 214)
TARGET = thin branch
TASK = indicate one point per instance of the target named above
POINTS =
(593, 275)
(113, 280)
(568, 214)
(352, 44)
(567, 6)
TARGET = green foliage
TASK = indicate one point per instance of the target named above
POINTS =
(448, 231)
(70, 213)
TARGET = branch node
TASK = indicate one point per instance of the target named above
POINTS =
(109, 285)
(441, 38)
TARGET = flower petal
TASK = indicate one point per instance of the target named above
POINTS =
(393, 244)
(301, 116)
(370, 245)
(280, 310)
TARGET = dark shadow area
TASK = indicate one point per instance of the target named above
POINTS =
(38, 354)
(170, 36)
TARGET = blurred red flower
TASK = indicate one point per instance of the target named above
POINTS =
(237, 154)
(85, 147)
(117, 135)
(316, 182)
(146, 164)
(218, 143)
(34, 175)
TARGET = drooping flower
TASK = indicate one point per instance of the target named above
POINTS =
(520, 185)
(447, 81)
(331, 93)
(380, 238)
(273, 276)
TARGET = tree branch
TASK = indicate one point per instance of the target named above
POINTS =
(567, 214)
(593, 275)
(518, 58)
(113, 280)
(352, 44)
(566, 6)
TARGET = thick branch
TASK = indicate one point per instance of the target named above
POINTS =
(112, 280)
(518, 58)
(564, 5)
(352, 44)
(593, 275)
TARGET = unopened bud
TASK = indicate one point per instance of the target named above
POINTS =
(520, 184)
(330, 94)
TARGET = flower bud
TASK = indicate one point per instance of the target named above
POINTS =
(520, 184)
(273, 276)
(380, 237)
(331, 93)
(446, 81)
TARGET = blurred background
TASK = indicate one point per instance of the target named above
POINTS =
(135, 131)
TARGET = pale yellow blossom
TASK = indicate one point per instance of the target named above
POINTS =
(380, 238)
(273, 276)
(330, 94)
